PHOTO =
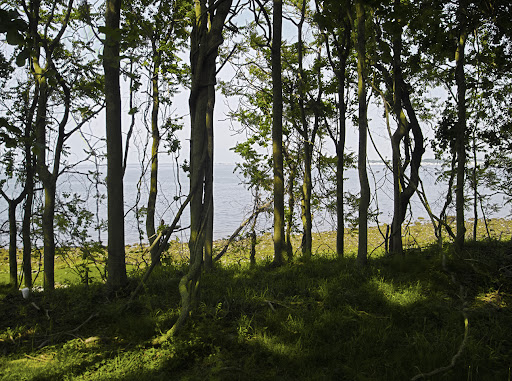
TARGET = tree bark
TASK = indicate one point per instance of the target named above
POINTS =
(155, 133)
(111, 61)
(205, 40)
(362, 251)
(340, 165)
(338, 137)
(208, 191)
(277, 133)
(13, 264)
(460, 139)
(291, 211)
(26, 236)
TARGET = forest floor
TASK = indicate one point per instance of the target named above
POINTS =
(318, 320)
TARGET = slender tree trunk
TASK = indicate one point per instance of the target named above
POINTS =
(26, 236)
(30, 165)
(208, 191)
(49, 235)
(398, 137)
(460, 139)
(364, 203)
(116, 251)
(475, 189)
(343, 49)
(253, 236)
(155, 132)
(13, 264)
(340, 167)
(307, 222)
(46, 179)
(277, 133)
(291, 211)
(308, 140)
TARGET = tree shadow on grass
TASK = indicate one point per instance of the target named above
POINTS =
(326, 319)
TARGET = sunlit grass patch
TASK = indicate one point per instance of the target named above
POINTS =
(399, 295)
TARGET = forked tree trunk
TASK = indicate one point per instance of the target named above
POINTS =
(401, 100)
(205, 40)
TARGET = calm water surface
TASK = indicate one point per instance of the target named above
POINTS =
(233, 201)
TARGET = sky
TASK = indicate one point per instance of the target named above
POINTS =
(225, 134)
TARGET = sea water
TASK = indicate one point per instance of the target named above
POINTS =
(233, 200)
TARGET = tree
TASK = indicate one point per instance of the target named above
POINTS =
(337, 39)
(205, 40)
(398, 96)
(277, 132)
(460, 135)
(364, 202)
(54, 67)
(111, 61)
(156, 33)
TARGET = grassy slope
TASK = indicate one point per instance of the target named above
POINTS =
(326, 319)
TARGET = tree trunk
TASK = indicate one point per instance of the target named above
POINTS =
(205, 40)
(343, 49)
(46, 179)
(208, 191)
(291, 210)
(362, 251)
(475, 189)
(116, 251)
(277, 133)
(49, 235)
(460, 138)
(308, 140)
(155, 133)
(402, 192)
(30, 165)
(307, 222)
(26, 236)
(340, 167)
(13, 263)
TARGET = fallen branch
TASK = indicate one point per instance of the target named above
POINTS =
(166, 234)
(466, 330)
(260, 209)
(454, 358)
(44, 343)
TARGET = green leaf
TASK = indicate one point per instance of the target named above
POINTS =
(22, 57)
(14, 37)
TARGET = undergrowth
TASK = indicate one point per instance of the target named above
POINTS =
(320, 320)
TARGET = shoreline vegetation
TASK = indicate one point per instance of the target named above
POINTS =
(401, 317)
(416, 235)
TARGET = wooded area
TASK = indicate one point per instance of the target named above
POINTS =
(301, 73)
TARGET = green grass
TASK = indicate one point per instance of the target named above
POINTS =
(321, 320)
